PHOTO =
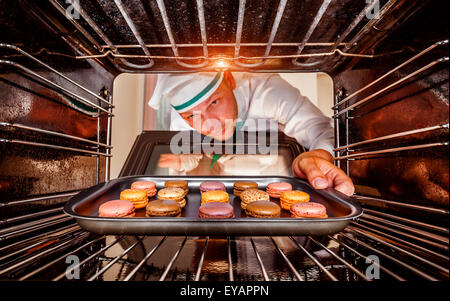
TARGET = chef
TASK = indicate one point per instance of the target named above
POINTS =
(226, 102)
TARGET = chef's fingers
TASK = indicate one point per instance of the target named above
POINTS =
(337, 178)
(309, 168)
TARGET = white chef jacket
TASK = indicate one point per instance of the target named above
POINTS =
(268, 96)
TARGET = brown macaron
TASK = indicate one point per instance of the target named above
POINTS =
(252, 195)
(163, 208)
(137, 196)
(173, 193)
(179, 184)
(241, 186)
(263, 209)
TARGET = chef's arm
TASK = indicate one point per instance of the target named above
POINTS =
(180, 163)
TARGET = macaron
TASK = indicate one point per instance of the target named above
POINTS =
(216, 210)
(137, 196)
(163, 208)
(240, 186)
(179, 184)
(211, 186)
(215, 196)
(148, 186)
(287, 198)
(116, 208)
(173, 193)
(263, 209)
(309, 209)
(276, 188)
(252, 195)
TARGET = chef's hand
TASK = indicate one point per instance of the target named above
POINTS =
(317, 167)
(170, 161)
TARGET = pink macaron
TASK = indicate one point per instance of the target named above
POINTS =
(148, 186)
(276, 188)
(211, 185)
(116, 208)
(308, 209)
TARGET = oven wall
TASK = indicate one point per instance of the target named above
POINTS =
(43, 172)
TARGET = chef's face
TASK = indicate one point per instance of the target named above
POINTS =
(216, 116)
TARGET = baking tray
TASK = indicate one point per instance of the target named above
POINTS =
(84, 208)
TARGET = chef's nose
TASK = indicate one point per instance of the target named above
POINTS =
(210, 124)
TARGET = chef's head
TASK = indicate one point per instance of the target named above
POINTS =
(204, 100)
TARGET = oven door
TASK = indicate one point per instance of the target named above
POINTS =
(152, 154)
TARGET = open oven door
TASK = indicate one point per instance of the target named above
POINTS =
(246, 156)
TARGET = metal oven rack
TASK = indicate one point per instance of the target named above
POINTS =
(98, 109)
(327, 60)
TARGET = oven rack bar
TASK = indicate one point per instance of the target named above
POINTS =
(387, 256)
(39, 198)
(165, 17)
(401, 242)
(367, 259)
(57, 87)
(392, 150)
(408, 221)
(404, 252)
(13, 47)
(371, 200)
(34, 129)
(43, 236)
(202, 258)
(273, 32)
(22, 142)
(97, 30)
(347, 98)
(14, 231)
(45, 251)
(417, 232)
(40, 242)
(357, 248)
(234, 45)
(433, 243)
(311, 29)
(15, 219)
(342, 36)
(134, 30)
(235, 59)
(392, 85)
(94, 255)
(392, 136)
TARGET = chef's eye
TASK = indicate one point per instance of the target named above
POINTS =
(215, 102)
(190, 117)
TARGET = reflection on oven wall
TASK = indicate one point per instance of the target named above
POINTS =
(133, 115)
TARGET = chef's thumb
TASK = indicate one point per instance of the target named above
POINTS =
(314, 174)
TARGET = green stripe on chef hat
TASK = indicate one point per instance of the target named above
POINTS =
(201, 96)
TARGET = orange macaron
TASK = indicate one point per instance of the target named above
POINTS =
(288, 198)
(215, 196)
(137, 196)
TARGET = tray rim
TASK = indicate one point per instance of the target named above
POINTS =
(356, 209)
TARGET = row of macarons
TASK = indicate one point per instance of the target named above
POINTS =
(214, 200)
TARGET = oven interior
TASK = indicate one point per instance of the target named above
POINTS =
(389, 64)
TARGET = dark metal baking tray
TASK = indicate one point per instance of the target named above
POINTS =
(84, 208)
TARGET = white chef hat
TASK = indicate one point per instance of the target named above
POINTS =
(185, 91)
